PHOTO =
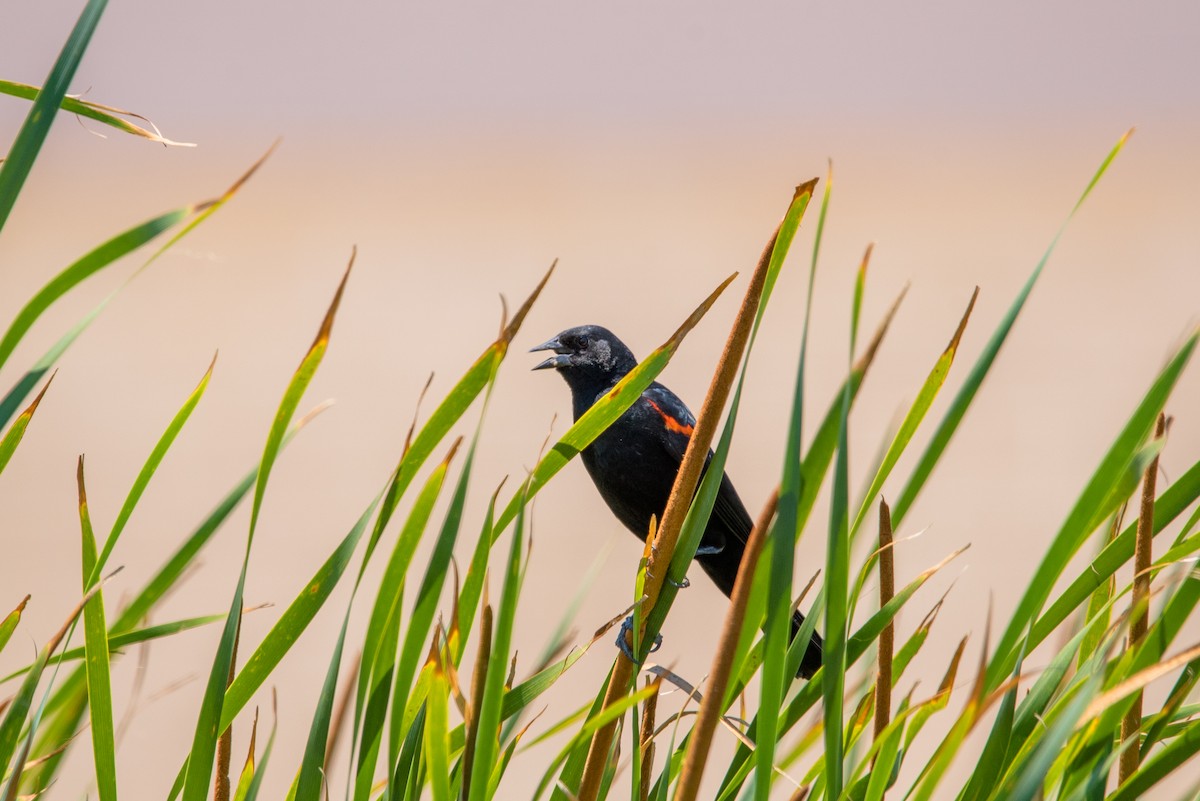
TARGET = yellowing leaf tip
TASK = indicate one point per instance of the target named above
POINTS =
(806, 188)
(962, 324)
(514, 325)
(695, 317)
(233, 189)
(453, 450)
(327, 324)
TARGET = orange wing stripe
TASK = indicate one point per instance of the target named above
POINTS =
(671, 423)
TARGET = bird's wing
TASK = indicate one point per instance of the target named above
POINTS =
(678, 422)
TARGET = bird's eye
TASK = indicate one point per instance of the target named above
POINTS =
(582, 342)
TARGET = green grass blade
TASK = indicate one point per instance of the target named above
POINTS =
(261, 769)
(460, 398)
(20, 703)
(1033, 773)
(10, 622)
(246, 777)
(912, 419)
(821, 450)
(12, 437)
(781, 562)
(15, 168)
(94, 111)
(379, 671)
(1169, 505)
(472, 587)
(148, 469)
(117, 642)
(524, 694)
(837, 584)
(1160, 764)
(857, 645)
(420, 619)
(966, 394)
(437, 736)
(293, 622)
(312, 767)
(1078, 524)
(486, 745)
(69, 701)
(27, 382)
(377, 663)
(702, 504)
(86, 266)
(73, 691)
(99, 682)
(200, 760)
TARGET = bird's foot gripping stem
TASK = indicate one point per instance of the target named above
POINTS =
(679, 585)
(623, 641)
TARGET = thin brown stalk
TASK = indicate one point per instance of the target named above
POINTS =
(478, 679)
(711, 705)
(339, 713)
(1131, 726)
(677, 505)
(646, 743)
(221, 792)
(801, 793)
(887, 639)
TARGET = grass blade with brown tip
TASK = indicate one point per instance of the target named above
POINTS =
(200, 759)
(12, 437)
(99, 681)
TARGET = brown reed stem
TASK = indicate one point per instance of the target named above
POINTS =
(887, 639)
(711, 706)
(478, 680)
(1131, 725)
(222, 788)
(646, 743)
(681, 496)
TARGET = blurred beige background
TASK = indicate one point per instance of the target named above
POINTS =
(649, 147)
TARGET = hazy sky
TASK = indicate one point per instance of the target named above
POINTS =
(719, 65)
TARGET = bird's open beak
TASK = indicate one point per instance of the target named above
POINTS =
(554, 362)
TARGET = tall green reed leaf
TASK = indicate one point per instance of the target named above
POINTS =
(200, 760)
(912, 419)
(99, 682)
(110, 116)
(486, 746)
(18, 706)
(966, 394)
(12, 437)
(86, 266)
(1087, 510)
(24, 151)
(9, 624)
(200, 212)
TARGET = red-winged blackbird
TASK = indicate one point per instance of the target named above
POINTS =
(635, 461)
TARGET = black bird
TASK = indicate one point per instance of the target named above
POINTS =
(635, 461)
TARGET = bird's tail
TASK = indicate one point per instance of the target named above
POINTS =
(722, 569)
(813, 655)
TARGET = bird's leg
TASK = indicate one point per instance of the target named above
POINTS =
(623, 642)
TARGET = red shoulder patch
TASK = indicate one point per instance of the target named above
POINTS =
(671, 423)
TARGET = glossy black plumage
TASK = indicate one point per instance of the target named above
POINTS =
(634, 463)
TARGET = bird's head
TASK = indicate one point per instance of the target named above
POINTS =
(587, 356)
